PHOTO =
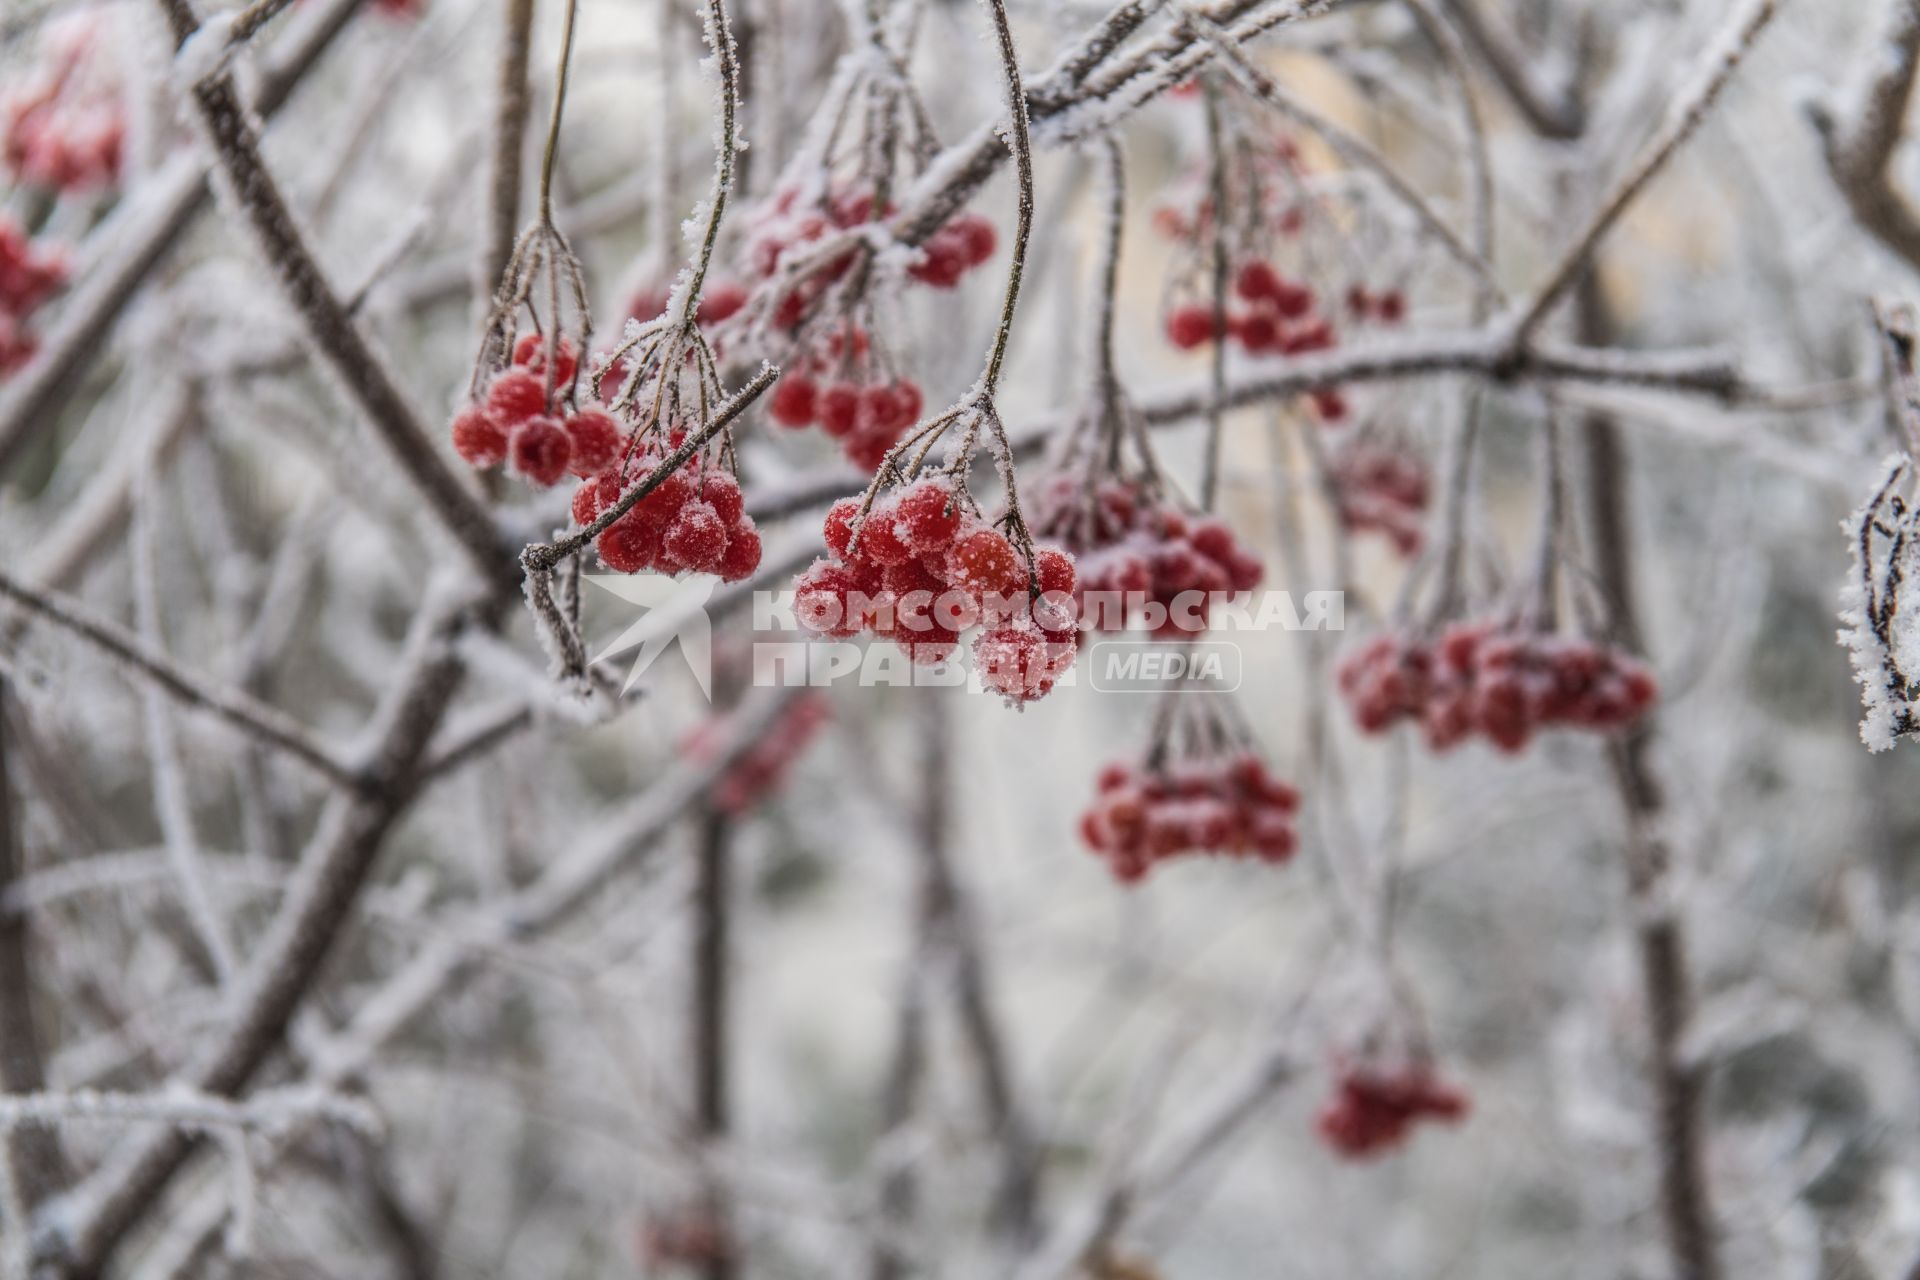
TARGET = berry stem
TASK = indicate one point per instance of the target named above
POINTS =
(1022, 146)
(552, 149)
(1217, 184)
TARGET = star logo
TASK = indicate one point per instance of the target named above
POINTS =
(676, 611)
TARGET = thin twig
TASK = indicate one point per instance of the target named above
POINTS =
(1723, 59)
(330, 327)
(265, 724)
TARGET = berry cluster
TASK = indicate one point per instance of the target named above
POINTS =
(691, 1237)
(920, 569)
(1280, 238)
(517, 421)
(694, 521)
(67, 129)
(1372, 1110)
(1143, 551)
(789, 226)
(1268, 314)
(719, 300)
(866, 414)
(28, 277)
(1227, 805)
(1501, 682)
(762, 768)
(1382, 491)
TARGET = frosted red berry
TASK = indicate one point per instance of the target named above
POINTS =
(929, 515)
(696, 540)
(595, 438)
(516, 395)
(477, 438)
(742, 556)
(530, 352)
(984, 563)
(540, 450)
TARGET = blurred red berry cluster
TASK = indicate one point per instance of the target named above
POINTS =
(1372, 1110)
(790, 226)
(65, 128)
(1230, 805)
(689, 1237)
(28, 277)
(762, 769)
(1496, 680)
(1382, 491)
(1140, 550)
(837, 385)
(920, 568)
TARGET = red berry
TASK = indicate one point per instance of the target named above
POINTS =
(793, 401)
(743, 553)
(943, 260)
(697, 538)
(930, 516)
(478, 438)
(1019, 663)
(838, 530)
(628, 546)
(1053, 569)
(867, 450)
(1256, 280)
(838, 409)
(880, 537)
(540, 450)
(586, 504)
(531, 353)
(595, 439)
(820, 599)
(721, 301)
(907, 402)
(1293, 301)
(1190, 326)
(976, 237)
(723, 491)
(985, 564)
(515, 396)
(877, 415)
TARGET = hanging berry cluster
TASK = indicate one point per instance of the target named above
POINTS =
(1293, 254)
(521, 419)
(1267, 315)
(1202, 789)
(922, 566)
(762, 769)
(821, 249)
(65, 128)
(1231, 807)
(1373, 1109)
(690, 1237)
(1500, 681)
(815, 268)
(1381, 490)
(1142, 560)
(838, 385)
(694, 520)
(28, 277)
